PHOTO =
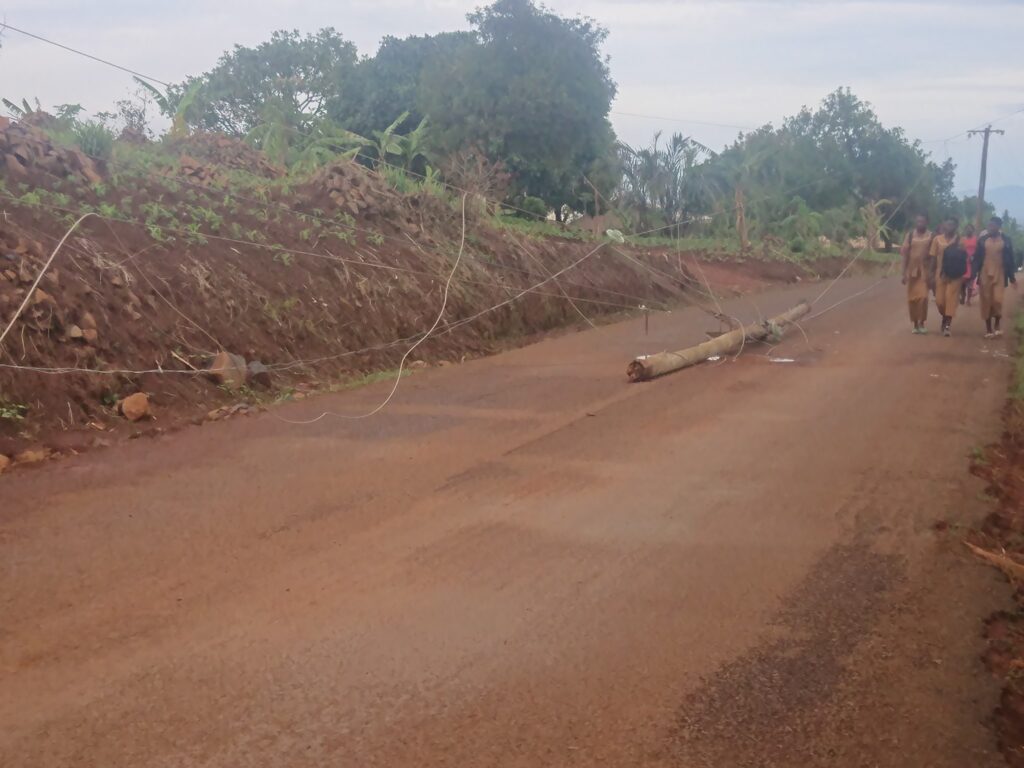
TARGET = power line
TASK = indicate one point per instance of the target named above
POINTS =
(683, 121)
(301, 215)
(401, 364)
(294, 129)
(5, 25)
(315, 254)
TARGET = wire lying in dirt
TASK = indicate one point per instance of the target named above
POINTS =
(424, 337)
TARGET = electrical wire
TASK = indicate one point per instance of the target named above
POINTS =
(683, 120)
(401, 363)
(301, 215)
(31, 291)
(4, 25)
(449, 186)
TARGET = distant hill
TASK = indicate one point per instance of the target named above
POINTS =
(1008, 199)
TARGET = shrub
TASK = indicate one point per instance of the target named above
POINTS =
(532, 208)
(95, 139)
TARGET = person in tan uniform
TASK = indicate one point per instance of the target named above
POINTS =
(950, 268)
(995, 268)
(916, 252)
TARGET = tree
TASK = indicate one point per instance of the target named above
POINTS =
(839, 158)
(535, 92)
(384, 86)
(294, 77)
(659, 183)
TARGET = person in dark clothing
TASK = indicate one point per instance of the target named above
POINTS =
(994, 268)
(970, 244)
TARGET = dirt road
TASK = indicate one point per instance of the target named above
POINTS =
(526, 561)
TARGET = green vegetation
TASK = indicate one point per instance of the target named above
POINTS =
(95, 139)
(513, 111)
(12, 411)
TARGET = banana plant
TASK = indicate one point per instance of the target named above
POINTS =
(414, 145)
(329, 142)
(388, 142)
(274, 133)
(177, 112)
(22, 110)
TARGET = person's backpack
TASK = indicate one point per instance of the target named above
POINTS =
(954, 260)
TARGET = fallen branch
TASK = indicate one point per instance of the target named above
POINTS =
(652, 366)
(1013, 570)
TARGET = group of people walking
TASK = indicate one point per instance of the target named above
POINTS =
(950, 265)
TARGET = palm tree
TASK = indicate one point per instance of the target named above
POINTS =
(659, 184)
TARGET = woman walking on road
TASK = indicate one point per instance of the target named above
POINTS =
(994, 266)
(916, 275)
(950, 267)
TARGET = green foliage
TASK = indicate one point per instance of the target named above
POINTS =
(863, 162)
(534, 91)
(802, 224)
(532, 208)
(294, 73)
(326, 143)
(398, 179)
(94, 138)
(391, 82)
(22, 110)
(68, 113)
(110, 211)
(432, 183)
(537, 228)
(32, 198)
(10, 411)
(283, 257)
(661, 184)
(193, 235)
(413, 145)
(387, 142)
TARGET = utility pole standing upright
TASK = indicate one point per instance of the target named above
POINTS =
(986, 133)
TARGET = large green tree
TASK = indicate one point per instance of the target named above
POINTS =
(836, 157)
(535, 93)
(388, 84)
(287, 80)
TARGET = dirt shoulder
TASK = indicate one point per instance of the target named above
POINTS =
(1000, 542)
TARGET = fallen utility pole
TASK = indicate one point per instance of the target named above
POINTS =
(652, 366)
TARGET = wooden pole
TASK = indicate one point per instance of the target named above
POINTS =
(652, 366)
(986, 134)
(741, 220)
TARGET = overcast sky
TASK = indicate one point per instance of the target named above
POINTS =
(934, 67)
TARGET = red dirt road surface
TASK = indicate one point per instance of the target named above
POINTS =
(527, 561)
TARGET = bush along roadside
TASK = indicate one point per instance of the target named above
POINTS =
(1001, 543)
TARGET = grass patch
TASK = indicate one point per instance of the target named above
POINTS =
(12, 411)
(688, 243)
(537, 228)
(371, 378)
